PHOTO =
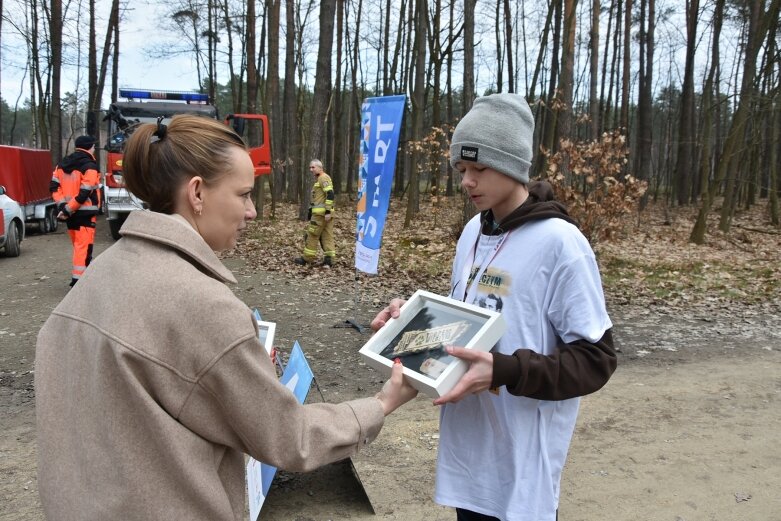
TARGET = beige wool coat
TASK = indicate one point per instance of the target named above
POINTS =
(151, 384)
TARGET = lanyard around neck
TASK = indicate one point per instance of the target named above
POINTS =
(470, 287)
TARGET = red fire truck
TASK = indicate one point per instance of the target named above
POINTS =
(145, 106)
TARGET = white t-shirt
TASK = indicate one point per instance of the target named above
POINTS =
(502, 455)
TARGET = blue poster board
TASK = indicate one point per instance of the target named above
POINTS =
(297, 377)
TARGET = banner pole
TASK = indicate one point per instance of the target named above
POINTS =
(381, 119)
(352, 322)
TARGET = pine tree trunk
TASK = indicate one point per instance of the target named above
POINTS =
(593, 100)
(418, 108)
(644, 117)
(626, 70)
(566, 79)
(322, 93)
(758, 25)
(708, 189)
(336, 121)
(469, 87)
(685, 160)
(774, 162)
(290, 149)
(55, 113)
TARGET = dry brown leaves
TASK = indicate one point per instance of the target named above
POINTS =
(418, 257)
(651, 263)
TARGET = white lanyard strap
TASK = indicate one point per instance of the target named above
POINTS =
(470, 291)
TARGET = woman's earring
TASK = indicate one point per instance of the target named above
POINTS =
(198, 211)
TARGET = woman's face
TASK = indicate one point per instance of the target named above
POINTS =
(227, 205)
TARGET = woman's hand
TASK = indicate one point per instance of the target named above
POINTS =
(397, 391)
(476, 379)
(392, 311)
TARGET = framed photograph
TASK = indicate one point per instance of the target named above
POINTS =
(266, 332)
(427, 323)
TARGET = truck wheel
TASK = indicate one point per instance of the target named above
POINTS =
(44, 225)
(114, 225)
(13, 242)
(52, 216)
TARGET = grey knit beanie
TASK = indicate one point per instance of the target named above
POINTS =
(497, 132)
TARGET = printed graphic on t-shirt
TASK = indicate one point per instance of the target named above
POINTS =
(493, 286)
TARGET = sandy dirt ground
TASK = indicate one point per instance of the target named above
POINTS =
(686, 430)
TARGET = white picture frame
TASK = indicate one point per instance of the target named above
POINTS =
(266, 331)
(426, 324)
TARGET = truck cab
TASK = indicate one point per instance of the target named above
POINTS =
(146, 106)
(11, 225)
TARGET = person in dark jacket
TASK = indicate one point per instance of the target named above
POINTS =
(75, 187)
(501, 453)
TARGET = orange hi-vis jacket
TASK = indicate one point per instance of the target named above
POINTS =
(75, 185)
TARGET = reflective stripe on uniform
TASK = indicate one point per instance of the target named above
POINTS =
(82, 238)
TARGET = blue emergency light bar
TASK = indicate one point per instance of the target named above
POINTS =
(167, 95)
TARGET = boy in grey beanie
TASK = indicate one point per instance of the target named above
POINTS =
(501, 453)
(498, 132)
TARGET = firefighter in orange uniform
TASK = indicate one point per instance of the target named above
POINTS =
(75, 188)
(320, 230)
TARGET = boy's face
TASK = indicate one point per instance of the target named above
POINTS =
(490, 189)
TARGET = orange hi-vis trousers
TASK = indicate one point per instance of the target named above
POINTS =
(83, 239)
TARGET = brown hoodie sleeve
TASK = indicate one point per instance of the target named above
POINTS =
(574, 369)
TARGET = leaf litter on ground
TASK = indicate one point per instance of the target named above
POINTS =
(650, 265)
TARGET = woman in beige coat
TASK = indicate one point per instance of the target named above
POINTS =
(147, 404)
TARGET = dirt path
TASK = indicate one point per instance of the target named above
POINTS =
(687, 429)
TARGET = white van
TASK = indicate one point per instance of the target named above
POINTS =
(11, 225)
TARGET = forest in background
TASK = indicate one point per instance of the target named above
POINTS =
(634, 100)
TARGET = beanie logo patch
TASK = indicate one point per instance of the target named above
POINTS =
(469, 153)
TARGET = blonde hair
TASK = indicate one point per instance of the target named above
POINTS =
(159, 158)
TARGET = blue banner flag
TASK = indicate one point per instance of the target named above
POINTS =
(380, 128)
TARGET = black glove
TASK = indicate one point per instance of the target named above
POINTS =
(309, 215)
